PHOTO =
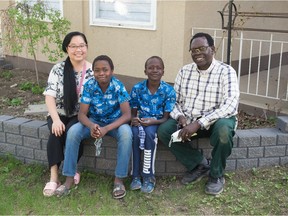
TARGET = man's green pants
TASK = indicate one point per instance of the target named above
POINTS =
(221, 138)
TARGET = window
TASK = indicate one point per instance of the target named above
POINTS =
(139, 14)
(54, 4)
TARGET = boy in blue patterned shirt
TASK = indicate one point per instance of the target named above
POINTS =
(151, 102)
(104, 109)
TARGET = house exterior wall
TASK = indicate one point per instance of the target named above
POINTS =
(129, 48)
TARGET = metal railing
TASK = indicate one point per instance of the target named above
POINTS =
(261, 61)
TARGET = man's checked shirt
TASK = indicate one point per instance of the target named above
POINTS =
(206, 95)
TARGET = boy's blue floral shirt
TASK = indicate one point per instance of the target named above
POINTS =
(104, 107)
(152, 105)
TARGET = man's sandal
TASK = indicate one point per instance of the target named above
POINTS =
(62, 191)
(119, 191)
(50, 188)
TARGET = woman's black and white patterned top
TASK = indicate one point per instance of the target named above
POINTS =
(55, 83)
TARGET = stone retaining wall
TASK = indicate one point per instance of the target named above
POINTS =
(26, 139)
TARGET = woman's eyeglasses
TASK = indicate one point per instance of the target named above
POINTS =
(74, 47)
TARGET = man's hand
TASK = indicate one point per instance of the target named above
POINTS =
(189, 130)
(182, 122)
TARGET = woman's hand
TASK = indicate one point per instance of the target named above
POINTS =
(58, 128)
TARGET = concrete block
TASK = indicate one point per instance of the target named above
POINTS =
(283, 160)
(32, 142)
(31, 161)
(268, 135)
(247, 163)
(111, 153)
(89, 150)
(44, 132)
(40, 155)
(31, 128)
(266, 162)
(274, 151)
(164, 155)
(44, 144)
(255, 152)
(247, 138)
(14, 139)
(282, 139)
(87, 161)
(8, 148)
(238, 153)
(159, 167)
(174, 167)
(25, 152)
(2, 137)
(13, 125)
(104, 164)
(5, 118)
(282, 123)
(108, 141)
(230, 165)
(235, 141)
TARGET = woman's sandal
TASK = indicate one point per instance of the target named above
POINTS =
(119, 191)
(62, 191)
(50, 188)
(77, 178)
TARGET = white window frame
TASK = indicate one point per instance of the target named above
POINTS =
(94, 21)
(60, 2)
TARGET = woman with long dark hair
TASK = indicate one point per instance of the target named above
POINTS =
(64, 87)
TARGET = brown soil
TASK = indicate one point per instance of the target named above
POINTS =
(10, 89)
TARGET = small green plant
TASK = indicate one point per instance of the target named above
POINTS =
(14, 102)
(26, 86)
(29, 86)
(7, 75)
(37, 89)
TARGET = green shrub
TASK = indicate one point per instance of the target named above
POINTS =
(7, 75)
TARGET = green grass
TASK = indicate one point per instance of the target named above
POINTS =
(254, 192)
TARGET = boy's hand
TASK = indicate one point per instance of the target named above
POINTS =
(95, 131)
(146, 121)
(135, 121)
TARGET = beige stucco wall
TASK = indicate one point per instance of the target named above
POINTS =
(129, 48)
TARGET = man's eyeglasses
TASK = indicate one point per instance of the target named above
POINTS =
(74, 47)
(199, 49)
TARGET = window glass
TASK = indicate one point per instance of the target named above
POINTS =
(54, 4)
(139, 14)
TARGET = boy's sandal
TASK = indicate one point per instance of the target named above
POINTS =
(119, 191)
(62, 191)
(50, 188)
(77, 178)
